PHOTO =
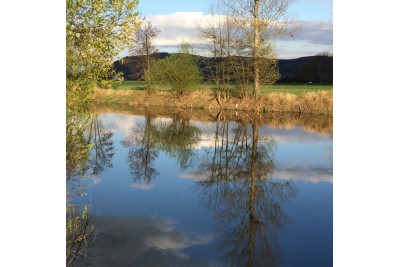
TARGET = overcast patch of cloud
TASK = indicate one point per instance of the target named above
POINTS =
(315, 32)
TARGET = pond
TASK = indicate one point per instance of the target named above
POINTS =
(203, 189)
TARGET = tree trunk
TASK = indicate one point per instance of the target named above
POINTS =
(256, 50)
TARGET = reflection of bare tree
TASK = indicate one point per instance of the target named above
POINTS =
(142, 152)
(102, 146)
(176, 138)
(237, 189)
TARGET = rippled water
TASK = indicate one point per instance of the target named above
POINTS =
(210, 191)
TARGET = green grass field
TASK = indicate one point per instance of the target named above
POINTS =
(297, 89)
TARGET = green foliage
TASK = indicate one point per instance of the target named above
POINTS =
(96, 30)
(95, 33)
(79, 232)
(77, 149)
(179, 70)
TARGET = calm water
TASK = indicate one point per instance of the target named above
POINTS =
(173, 191)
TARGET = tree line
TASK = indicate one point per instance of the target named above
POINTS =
(239, 37)
(315, 69)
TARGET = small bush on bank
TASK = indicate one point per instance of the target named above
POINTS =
(178, 71)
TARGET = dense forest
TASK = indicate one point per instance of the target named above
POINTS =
(315, 69)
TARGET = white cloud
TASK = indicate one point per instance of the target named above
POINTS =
(316, 36)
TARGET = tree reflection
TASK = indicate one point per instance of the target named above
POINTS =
(142, 152)
(176, 138)
(79, 228)
(239, 192)
(102, 149)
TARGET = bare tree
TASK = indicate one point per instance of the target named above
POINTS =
(254, 25)
(143, 46)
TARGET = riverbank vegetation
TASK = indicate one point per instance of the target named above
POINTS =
(293, 88)
(318, 102)
(96, 31)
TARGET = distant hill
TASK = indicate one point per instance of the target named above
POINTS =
(316, 69)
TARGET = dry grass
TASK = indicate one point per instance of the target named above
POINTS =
(312, 102)
(309, 103)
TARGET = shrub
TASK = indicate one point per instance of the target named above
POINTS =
(179, 70)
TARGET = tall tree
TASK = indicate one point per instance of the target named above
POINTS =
(257, 23)
(143, 46)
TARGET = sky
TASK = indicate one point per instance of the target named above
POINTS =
(179, 20)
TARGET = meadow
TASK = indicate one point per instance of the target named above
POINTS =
(294, 88)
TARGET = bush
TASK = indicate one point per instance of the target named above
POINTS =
(179, 70)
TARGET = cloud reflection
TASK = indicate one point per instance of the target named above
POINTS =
(141, 186)
(135, 241)
(305, 173)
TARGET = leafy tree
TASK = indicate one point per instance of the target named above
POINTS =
(178, 70)
(96, 31)
(143, 46)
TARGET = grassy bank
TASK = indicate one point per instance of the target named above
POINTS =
(319, 102)
(293, 88)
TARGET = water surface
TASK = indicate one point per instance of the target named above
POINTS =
(173, 190)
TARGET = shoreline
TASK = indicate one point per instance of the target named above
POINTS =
(308, 103)
(320, 123)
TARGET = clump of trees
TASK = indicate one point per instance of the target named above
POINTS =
(179, 70)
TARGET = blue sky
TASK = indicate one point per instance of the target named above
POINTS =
(178, 20)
